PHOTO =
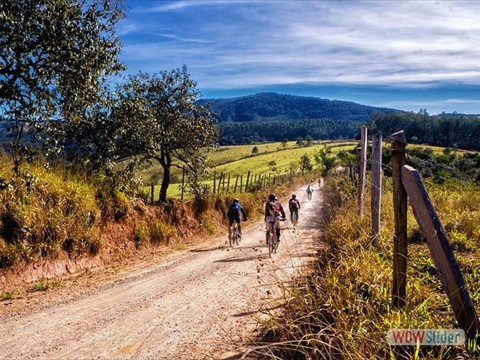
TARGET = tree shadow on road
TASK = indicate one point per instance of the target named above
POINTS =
(239, 259)
(219, 247)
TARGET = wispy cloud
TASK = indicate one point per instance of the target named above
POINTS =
(254, 43)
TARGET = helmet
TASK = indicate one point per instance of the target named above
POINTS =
(272, 197)
(236, 200)
(294, 196)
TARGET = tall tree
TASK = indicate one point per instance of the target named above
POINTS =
(183, 129)
(54, 57)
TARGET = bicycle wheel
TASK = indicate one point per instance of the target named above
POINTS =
(274, 244)
(294, 218)
(238, 238)
(269, 243)
(231, 235)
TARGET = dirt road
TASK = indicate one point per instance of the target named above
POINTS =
(200, 303)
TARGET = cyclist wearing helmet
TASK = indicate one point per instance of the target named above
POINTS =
(293, 206)
(234, 215)
(274, 211)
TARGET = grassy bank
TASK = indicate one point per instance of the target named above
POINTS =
(343, 310)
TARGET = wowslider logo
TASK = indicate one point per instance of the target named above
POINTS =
(426, 337)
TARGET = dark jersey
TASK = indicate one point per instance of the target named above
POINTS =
(234, 213)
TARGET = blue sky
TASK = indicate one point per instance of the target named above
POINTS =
(407, 55)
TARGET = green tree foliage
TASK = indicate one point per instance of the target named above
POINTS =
(305, 163)
(271, 106)
(176, 127)
(325, 158)
(232, 133)
(447, 130)
(308, 140)
(54, 57)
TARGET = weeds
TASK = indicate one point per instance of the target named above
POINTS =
(6, 296)
(44, 285)
(161, 233)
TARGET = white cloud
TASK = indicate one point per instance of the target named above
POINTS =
(254, 43)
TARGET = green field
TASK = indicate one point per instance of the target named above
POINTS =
(272, 159)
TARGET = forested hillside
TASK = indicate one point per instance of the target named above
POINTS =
(232, 133)
(275, 117)
(289, 107)
(447, 130)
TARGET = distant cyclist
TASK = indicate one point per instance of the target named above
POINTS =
(274, 213)
(309, 191)
(293, 206)
(234, 215)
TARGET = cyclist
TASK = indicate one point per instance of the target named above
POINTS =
(293, 206)
(233, 214)
(309, 191)
(274, 213)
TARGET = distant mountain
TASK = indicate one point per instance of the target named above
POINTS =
(272, 106)
(274, 117)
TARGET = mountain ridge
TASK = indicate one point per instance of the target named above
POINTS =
(274, 106)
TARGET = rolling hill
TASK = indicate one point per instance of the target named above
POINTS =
(272, 106)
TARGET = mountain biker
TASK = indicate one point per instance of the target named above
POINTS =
(309, 190)
(293, 206)
(233, 214)
(274, 213)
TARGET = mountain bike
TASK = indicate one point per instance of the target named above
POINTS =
(271, 236)
(294, 218)
(309, 195)
(235, 237)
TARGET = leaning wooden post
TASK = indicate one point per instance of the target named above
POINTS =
(362, 169)
(376, 184)
(241, 182)
(441, 252)
(400, 216)
(248, 179)
(220, 182)
(228, 183)
(223, 182)
(236, 182)
(152, 190)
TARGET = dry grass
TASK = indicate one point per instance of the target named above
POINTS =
(343, 310)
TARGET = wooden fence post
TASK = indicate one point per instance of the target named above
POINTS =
(241, 182)
(152, 190)
(228, 183)
(441, 252)
(362, 169)
(376, 184)
(214, 181)
(183, 181)
(248, 179)
(400, 215)
(236, 182)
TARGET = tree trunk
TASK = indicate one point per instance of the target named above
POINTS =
(166, 162)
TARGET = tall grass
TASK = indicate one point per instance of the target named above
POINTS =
(343, 310)
(45, 212)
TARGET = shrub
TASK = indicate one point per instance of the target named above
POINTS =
(161, 233)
